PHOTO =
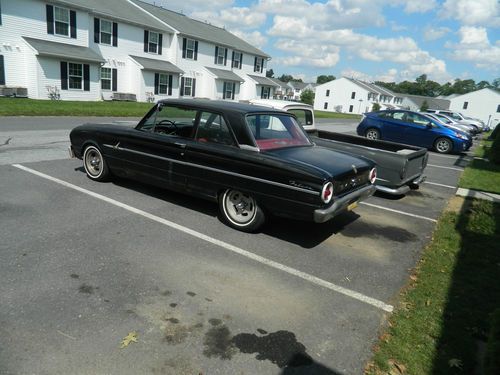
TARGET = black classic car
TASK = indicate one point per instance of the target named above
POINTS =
(251, 160)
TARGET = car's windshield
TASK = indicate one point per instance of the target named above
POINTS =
(273, 131)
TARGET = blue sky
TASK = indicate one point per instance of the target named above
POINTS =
(387, 40)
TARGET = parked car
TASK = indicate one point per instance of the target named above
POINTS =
(412, 128)
(252, 160)
(450, 123)
(457, 116)
(399, 167)
(303, 112)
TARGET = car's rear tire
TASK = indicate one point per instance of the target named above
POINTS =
(94, 163)
(372, 133)
(241, 211)
(443, 145)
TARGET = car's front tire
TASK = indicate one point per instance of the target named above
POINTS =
(443, 145)
(372, 133)
(241, 211)
(94, 164)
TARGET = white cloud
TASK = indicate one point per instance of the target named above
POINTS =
(255, 38)
(232, 17)
(188, 7)
(435, 34)
(390, 76)
(473, 12)
(470, 35)
(419, 6)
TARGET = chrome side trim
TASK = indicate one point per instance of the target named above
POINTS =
(214, 170)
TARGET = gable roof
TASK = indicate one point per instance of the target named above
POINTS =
(263, 80)
(120, 10)
(227, 75)
(156, 65)
(434, 103)
(371, 87)
(199, 30)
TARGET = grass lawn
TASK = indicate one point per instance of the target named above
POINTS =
(445, 310)
(324, 114)
(32, 107)
(482, 174)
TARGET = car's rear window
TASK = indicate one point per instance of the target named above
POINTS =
(273, 131)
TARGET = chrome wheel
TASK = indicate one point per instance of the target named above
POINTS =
(372, 134)
(443, 145)
(94, 164)
(240, 210)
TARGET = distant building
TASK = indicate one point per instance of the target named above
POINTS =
(482, 104)
(415, 102)
(122, 49)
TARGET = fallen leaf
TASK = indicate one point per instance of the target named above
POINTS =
(428, 302)
(131, 337)
(455, 362)
(413, 277)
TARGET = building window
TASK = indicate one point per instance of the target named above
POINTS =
(498, 108)
(75, 76)
(220, 56)
(187, 86)
(258, 65)
(351, 107)
(153, 42)
(190, 49)
(229, 89)
(163, 84)
(265, 92)
(61, 21)
(327, 92)
(466, 104)
(353, 96)
(106, 78)
(106, 32)
(325, 106)
(237, 60)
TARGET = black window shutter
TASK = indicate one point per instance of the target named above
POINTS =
(182, 87)
(262, 92)
(2, 71)
(234, 89)
(224, 87)
(146, 40)
(232, 60)
(157, 83)
(50, 19)
(170, 85)
(225, 57)
(261, 65)
(184, 46)
(193, 93)
(86, 77)
(115, 34)
(255, 64)
(196, 50)
(115, 80)
(97, 30)
(72, 23)
(64, 75)
(216, 53)
(160, 42)
(241, 61)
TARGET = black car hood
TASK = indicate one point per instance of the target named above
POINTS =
(332, 163)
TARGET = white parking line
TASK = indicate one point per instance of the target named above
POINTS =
(450, 157)
(399, 212)
(439, 166)
(436, 184)
(305, 276)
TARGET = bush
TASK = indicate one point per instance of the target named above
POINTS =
(494, 154)
(494, 132)
(376, 107)
(307, 97)
(492, 361)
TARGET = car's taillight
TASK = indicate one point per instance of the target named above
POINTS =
(327, 192)
(373, 175)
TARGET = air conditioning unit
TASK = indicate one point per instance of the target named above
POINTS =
(126, 97)
(15, 92)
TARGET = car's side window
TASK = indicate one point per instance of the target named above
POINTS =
(417, 119)
(401, 116)
(213, 128)
(170, 120)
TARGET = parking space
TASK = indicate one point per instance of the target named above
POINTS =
(85, 263)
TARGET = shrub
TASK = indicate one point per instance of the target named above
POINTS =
(494, 154)
(376, 107)
(494, 132)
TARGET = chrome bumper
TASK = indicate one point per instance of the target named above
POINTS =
(339, 205)
(71, 152)
(402, 189)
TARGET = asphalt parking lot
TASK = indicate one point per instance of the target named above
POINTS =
(86, 263)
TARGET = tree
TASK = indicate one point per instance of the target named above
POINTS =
(307, 97)
(496, 83)
(324, 79)
(482, 85)
(375, 107)
(425, 106)
(288, 78)
(270, 73)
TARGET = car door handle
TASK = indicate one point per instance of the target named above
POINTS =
(181, 145)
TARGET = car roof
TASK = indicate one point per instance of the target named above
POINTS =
(222, 106)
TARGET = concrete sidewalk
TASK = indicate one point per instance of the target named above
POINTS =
(468, 193)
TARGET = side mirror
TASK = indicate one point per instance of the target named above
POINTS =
(428, 125)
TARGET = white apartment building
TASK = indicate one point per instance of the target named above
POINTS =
(482, 104)
(115, 49)
(348, 95)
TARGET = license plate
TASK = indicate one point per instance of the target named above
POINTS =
(352, 206)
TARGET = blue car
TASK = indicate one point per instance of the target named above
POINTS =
(413, 128)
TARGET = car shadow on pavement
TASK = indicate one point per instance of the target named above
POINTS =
(314, 367)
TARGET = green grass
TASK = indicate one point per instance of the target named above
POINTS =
(482, 175)
(323, 114)
(32, 107)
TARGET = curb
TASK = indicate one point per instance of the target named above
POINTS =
(468, 193)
